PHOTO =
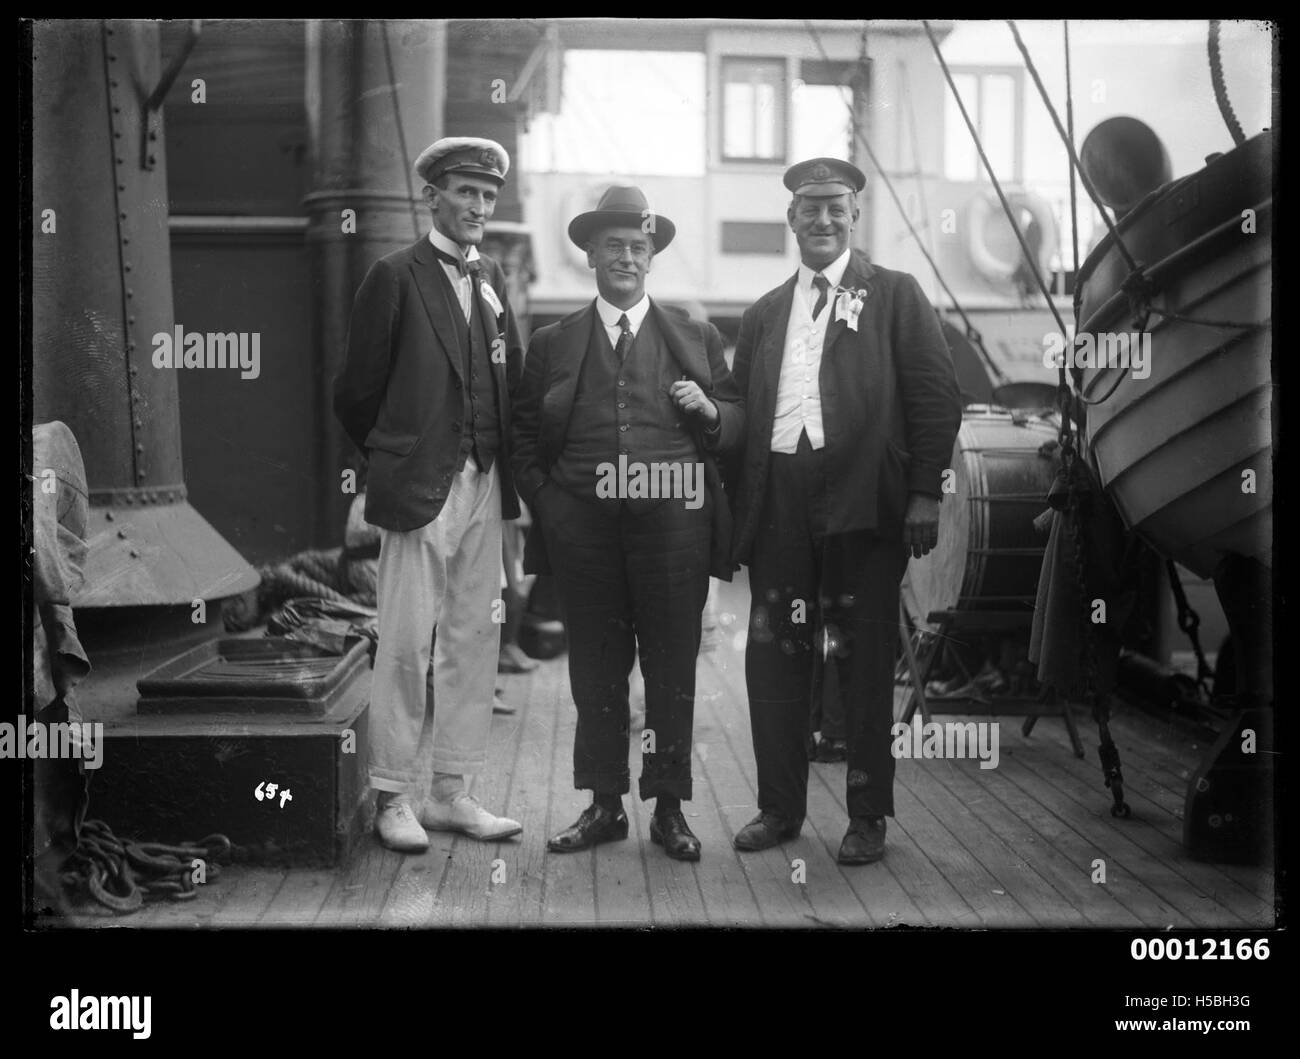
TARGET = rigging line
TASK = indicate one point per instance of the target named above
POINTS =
(918, 172)
(1069, 146)
(1030, 258)
(972, 334)
(401, 134)
(1069, 123)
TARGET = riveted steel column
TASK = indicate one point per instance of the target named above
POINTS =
(101, 292)
(359, 166)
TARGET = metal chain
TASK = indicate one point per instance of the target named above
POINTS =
(1190, 622)
(1106, 749)
(118, 873)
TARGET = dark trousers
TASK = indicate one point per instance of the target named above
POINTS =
(801, 577)
(630, 583)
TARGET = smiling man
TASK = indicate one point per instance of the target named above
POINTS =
(433, 354)
(852, 409)
(624, 383)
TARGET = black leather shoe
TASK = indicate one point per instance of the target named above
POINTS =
(765, 831)
(832, 750)
(594, 826)
(670, 831)
(865, 841)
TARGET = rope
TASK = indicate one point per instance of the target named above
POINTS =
(1069, 122)
(1066, 139)
(1029, 256)
(972, 334)
(401, 133)
(1220, 89)
(119, 873)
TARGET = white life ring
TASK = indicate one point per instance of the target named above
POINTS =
(996, 267)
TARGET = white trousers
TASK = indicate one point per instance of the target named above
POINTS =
(443, 578)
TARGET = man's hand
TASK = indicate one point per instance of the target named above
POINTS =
(921, 524)
(691, 399)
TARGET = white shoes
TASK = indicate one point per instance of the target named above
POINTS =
(398, 829)
(464, 814)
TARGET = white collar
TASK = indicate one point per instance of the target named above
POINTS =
(448, 246)
(609, 314)
(834, 272)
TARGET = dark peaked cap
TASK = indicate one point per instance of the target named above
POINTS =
(622, 206)
(824, 176)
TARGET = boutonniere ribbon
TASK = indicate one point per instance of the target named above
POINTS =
(490, 296)
(848, 305)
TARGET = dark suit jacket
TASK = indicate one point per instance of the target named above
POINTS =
(891, 408)
(544, 403)
(400, 395)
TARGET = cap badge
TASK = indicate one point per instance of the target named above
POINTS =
(488, 158)
(821, 171)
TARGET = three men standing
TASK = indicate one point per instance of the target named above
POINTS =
(844, 402)
(851, 411)
(433, 354)
(625, 390)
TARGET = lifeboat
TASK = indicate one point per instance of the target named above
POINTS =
(1180, 429)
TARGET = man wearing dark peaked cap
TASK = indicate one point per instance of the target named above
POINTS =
(851, 411)
(624, 383)
(432, 356)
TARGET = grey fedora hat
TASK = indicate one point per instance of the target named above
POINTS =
(622, 206)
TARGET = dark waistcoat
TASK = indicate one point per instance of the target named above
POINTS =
(624, 410)
(480, 434)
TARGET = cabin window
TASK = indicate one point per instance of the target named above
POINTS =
(821, 107)
(992, 99)
(753, 110)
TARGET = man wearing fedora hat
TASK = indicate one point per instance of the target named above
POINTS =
(852, 409)
(620, 394)
(432, 356)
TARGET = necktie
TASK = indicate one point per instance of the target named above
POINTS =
(823, 285)
(456, 261)
(624, 339)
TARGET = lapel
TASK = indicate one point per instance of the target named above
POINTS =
(492, 333)
(691, 355)
(856, 276)
(440, 302)
(776, 320)
(566, 353)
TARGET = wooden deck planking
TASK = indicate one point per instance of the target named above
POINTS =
(977, 886)
(1184, 883)
(1156, 807)
(903, 889)
(1047, 906)
(298, 902)
(519, 900)
(467, 887)
(1076, 899)
(568, 879)
(1019, 790)
(1031, 828)
(250, 895)
(727, 770)
(836, 895)
(728, 897)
